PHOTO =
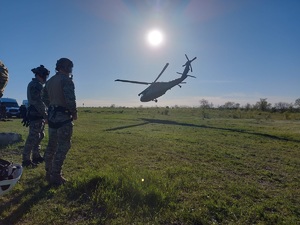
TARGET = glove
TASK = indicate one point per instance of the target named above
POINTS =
(25, 122)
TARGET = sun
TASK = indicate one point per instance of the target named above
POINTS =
(155, 38)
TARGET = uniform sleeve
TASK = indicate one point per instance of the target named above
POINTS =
(69, 93)
(36, 99)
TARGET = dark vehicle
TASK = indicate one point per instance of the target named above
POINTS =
(12, 107)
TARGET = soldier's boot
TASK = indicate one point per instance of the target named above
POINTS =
(36, 156)
(38, 160)
(57, 179)
(29, 164)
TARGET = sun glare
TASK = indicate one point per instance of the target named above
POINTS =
(155, 37)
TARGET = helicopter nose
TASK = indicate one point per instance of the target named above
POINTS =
(142, 99)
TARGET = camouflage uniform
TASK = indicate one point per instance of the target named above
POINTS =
(59, 96)
(37, 113)
(3, 78)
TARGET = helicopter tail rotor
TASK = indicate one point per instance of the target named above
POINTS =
(186, 57)
(188, 63)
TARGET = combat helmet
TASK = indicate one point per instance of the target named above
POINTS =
(41, 71)
(64, 64)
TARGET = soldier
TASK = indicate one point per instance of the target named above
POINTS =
(3, 78)
(36, 118)
(59, 96)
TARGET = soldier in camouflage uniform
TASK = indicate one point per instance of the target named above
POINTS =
(59, 96)
(36, 118)
(3, 78)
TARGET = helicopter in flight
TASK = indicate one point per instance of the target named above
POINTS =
(157, 89)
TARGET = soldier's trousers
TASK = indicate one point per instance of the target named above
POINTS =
(58, 146)
(35, 136)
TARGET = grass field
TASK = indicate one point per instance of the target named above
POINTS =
(165, 166)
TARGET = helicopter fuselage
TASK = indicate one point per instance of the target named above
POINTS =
(158, 89)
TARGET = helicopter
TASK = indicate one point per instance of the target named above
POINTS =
(157, 89)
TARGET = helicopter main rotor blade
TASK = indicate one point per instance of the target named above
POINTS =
(132, 81)
(167, 64)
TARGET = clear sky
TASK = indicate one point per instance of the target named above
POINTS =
(245, 49)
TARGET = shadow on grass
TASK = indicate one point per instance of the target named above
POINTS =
(32, 194)
(128, 126)
(170, 122)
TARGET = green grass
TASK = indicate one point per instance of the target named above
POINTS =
(165, 166)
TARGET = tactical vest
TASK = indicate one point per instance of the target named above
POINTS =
(55, 91)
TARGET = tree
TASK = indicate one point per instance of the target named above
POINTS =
(248, 106)
(231, 105)
(283, 106)
(297, 103)
(204, 104)
(263, 105)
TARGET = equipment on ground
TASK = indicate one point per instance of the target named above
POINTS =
(9, 138)
(10, 173)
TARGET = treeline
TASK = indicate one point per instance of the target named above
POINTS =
(261, 105)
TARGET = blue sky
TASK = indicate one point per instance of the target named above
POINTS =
(245, 49)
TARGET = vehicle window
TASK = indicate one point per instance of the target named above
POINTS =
(11, 104)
